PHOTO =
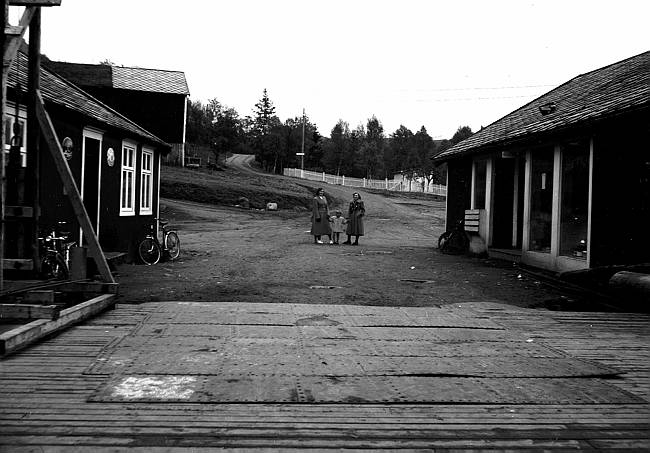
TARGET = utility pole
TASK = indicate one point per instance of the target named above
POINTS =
(302, 151)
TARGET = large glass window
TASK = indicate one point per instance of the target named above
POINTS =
(127, 186)
(575, 199)
(480, 181)
(146, 182)
(541, 200)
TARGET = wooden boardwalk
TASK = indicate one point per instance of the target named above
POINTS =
(181, 377)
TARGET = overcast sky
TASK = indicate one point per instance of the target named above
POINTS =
(438, 64)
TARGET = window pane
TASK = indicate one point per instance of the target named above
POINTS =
(23, 135)
(575, 200)
(145, 191)
(541, 201)
(480, 180)
(123, 194)
(129, 188)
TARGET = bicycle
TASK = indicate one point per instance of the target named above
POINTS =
(454, 241)
(151, 250)
(55, 254)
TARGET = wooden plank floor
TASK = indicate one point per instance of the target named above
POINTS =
(45, 391)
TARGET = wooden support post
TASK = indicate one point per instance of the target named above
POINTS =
(49, 135)
(4, 12)
(26, 311)
(32, 175)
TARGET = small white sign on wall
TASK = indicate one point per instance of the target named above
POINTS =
(110, 157)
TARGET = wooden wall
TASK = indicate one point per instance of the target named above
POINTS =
(116, 233)
(161, 114)
(621, 193)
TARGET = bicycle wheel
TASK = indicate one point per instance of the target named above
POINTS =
(173, 245)
(443, 241)
(53, 266)
(149, 251)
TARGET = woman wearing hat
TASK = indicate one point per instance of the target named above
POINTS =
(356, 211)
(320, 217)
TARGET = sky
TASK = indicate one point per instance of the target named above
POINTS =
(437, 64)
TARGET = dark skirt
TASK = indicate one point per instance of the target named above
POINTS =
(322, 226)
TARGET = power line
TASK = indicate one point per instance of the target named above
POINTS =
(483, 98)
(514, 87)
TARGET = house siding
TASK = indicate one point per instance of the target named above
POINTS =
(621, 194)
(116, 233)
(162, 114)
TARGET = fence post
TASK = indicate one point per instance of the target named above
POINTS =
(364, 182)
(343, 183)
(386, 183)
(323, 176)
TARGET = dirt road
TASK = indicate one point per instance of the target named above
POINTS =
(231, 254)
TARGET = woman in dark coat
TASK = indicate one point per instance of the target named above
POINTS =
(356, 211)
(320, 217)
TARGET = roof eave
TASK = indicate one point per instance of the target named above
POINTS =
(525, 139)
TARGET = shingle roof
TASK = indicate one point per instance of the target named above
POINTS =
(59, 91)
(172, 82)
(136, 79)
(618, 88)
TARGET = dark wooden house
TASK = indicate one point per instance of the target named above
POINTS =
(153, 98)
(563, 183)
(115, 162)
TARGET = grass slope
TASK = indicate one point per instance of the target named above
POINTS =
(227, 188)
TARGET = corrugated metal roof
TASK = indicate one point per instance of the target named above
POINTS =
(59, 91)
(136, 79)
(614, 89)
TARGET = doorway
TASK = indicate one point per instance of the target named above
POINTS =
(91, 178)
(508, 203)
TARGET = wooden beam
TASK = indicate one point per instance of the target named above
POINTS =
(43, 296)
(4, 12)
(18, 264)
(23, 336)
(24, 212)
(33, 170)
(34, 2)
(13, 42)
(49, 135)
(89, 287)
(25, 311)
(14, 30)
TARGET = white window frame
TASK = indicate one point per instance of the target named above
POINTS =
(128, 161)
(146, 181)
(10, 116)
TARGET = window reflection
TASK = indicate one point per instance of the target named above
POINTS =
(480, 180)
(575, 199)
(541, 200)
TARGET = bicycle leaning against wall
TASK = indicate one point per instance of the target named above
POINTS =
(55, 253)
(151, 250)
(454, 241)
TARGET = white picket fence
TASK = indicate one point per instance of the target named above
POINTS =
(387, 184)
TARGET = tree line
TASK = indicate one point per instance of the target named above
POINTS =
(363, 152)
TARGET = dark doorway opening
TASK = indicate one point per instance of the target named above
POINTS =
(91, 179)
